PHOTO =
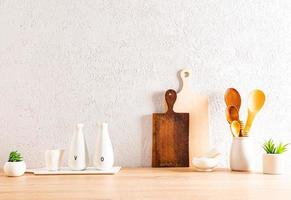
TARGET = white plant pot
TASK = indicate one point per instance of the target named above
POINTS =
(241, 154)
(14, 168)
(273, 163)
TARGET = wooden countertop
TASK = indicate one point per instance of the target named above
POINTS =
(149, 183)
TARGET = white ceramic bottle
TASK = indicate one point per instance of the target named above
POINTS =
(78, 154)
(103, 157)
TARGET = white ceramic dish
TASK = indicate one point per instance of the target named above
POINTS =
(204, 164)
(67, 170)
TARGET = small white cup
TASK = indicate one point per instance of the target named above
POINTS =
(53, 159)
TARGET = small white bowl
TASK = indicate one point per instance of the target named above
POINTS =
(204, 164)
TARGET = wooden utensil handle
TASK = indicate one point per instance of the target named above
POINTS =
(170, 97)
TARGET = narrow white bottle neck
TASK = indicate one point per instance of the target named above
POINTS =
(103, 127)
(80, 128)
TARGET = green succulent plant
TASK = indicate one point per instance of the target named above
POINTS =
(271, 148)
(15, 156)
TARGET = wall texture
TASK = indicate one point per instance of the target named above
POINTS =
(64, 62)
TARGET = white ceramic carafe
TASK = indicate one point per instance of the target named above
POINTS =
(103, 157)
(78, 154)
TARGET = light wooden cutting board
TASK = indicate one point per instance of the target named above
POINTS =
(197, 106)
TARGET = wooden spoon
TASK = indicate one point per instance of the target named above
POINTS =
(235, 128)
(232, 98)
(256, 101)
(231, 114)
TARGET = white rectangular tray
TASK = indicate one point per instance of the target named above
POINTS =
(66, 170)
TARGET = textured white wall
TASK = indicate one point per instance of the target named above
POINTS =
(64, 62)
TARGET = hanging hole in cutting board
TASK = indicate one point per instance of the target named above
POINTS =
(186, 74)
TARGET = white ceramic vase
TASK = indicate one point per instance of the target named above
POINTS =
(273, 163)
(78, 154)
(103, 157)
(241, 154)
(14, 168)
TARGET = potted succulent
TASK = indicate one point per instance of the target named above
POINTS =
(273, 159)
(15, 165)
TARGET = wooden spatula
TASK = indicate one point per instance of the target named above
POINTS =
(170, 136)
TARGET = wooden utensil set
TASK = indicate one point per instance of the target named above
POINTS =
(232, 100)
(171, 133)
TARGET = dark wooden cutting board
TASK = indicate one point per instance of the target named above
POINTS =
(170, 136)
